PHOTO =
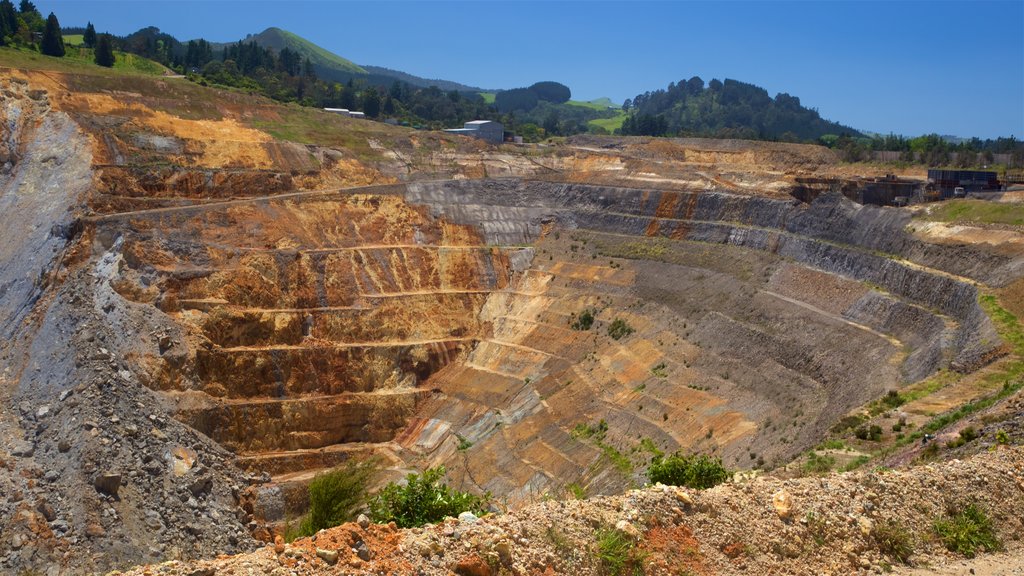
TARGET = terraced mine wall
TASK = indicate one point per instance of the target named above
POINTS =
(435, 323)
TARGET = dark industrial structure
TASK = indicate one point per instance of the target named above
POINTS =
(888, 191)
(947, 181)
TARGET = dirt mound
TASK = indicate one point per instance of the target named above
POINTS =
(837, 524)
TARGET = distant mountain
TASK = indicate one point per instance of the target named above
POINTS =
(322, 59)
(446, 85)
(330, 66)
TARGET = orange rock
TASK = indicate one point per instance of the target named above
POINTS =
(278, 544)
(472, 565)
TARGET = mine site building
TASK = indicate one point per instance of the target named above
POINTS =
(488, 130)
(947, 181)
(341, 111)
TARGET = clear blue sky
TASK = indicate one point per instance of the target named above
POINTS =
(908, 67)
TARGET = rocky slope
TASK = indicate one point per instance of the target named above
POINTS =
(835, 524)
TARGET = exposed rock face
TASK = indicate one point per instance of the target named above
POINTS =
(212, 316)
(407, 321)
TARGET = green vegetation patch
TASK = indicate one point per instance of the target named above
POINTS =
(610, 124)
(893, 540)
(584, 321)
(967, 531)
(618, 553)
(970, 211)
(619, 329)
(424, 499)
(78, 59)
(693, 471)
(334, 497)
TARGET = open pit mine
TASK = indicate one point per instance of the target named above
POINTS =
(198, 314)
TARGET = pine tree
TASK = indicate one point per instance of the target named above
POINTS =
(8, 20)
(26, 7)
(371, 102)
(105, 51)
(89, 38)
(53, 41)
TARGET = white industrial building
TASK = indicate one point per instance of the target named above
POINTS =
(484, 129)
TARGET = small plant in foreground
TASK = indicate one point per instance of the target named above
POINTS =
(893, 540)
(695, 471)
(968, 531)
(334, 497)
(817, 464)
(617, 553)
(424, 499)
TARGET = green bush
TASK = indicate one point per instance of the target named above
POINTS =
(694, 471)
(967, 531)
(619, 329)
(584, 321)
(335, 496)
(893, 540)
(818, 464)
(424, 499)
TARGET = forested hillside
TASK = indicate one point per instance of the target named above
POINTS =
(729, 109)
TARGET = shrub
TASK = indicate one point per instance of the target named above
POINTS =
(1002, 437)
(967, 531)
(334, 496)
(619, 329)
(695, 471)
(424, 499)
(584, 321)
(892, 399)
(893, 540)
(817, 464)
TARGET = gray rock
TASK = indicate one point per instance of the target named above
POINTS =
(363, 521)
(23, 448)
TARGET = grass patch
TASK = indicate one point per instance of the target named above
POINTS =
(79, 59)
(610, 124)
(73, 39)
(970, 211)
(617, 553)
(967, 531)
(893, 540)
(1007, 325)
(488, 97)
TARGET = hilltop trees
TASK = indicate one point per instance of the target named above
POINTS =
(53, 42)
(89, 37)
(104, 51)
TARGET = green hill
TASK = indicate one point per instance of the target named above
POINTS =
(327, 64)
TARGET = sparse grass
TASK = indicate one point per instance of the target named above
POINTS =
(893, 540)
(970, 211)
(78, 60)
(967, 531)
(578, 492)
(464, 444)
(488, 97)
